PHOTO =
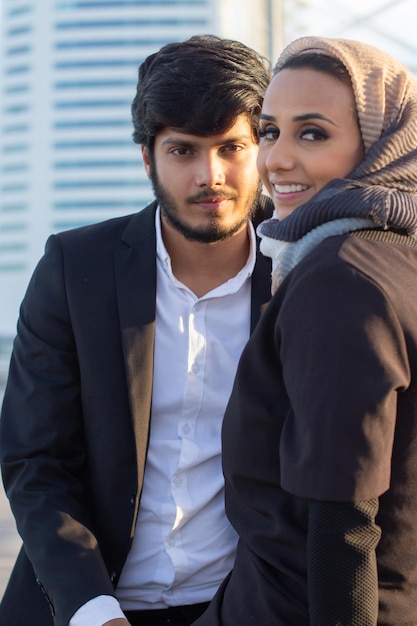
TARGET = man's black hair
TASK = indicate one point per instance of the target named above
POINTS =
(199, 86)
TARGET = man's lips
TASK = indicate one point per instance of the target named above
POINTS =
(211, 202)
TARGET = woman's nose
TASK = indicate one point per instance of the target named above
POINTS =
(280, 156)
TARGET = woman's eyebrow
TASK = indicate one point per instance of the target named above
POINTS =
(311, 116)
(299, 118)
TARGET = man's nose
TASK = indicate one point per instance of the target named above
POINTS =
(210, 171)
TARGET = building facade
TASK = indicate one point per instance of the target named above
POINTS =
(68, 72)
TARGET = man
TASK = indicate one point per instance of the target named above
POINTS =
(128, 340)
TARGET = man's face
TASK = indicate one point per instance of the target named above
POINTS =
(206, 186)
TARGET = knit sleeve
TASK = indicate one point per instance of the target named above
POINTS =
(342, 570)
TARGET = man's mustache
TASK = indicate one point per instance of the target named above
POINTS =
(212, 196)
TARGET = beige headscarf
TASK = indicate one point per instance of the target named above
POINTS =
(384, 185)
(382, 190)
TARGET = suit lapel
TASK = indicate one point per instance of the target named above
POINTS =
(135, 268)
(261, 288)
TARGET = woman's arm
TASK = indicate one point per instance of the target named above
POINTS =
(341, 563)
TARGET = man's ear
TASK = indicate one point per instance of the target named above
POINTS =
(146, 160)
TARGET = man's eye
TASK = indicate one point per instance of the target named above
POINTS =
(232, 148)
(180, 151)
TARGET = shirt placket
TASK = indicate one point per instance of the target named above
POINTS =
(188, 457)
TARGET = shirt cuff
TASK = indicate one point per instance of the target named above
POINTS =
(97, 612)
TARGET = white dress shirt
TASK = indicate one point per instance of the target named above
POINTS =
(184, 545)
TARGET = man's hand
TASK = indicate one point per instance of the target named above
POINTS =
(117, 622)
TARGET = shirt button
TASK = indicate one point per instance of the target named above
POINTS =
(186, 430)
(195, 368)
(197, 307)
(178, 482)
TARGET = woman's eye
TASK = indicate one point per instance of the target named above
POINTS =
(314, 134)
(269, 133)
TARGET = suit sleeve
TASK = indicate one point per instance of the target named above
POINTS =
(42, 449)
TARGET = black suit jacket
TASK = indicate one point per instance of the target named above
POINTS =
(75, 419)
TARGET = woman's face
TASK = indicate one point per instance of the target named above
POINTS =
(308, 136)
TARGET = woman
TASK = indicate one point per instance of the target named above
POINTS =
(320, 435)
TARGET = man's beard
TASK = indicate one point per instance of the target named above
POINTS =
(213, 232)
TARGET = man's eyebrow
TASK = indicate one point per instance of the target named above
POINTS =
(188, 143)
(178, 140)
(300, 118)
(247, 137)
